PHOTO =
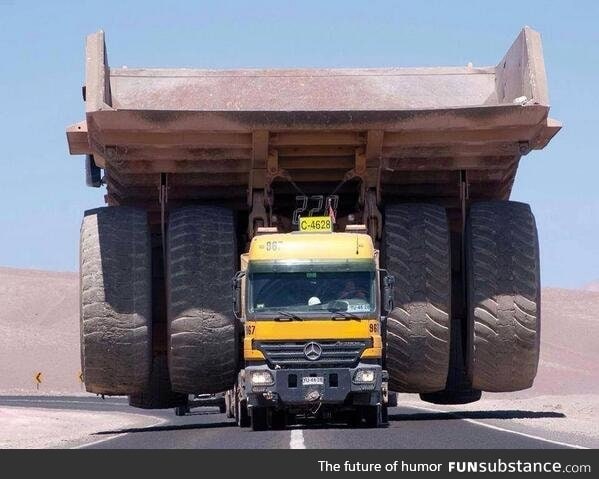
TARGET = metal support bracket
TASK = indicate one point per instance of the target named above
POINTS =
(464, 197)
(258, 216)
(259, 182)
(369, 193)
(373, 216)
(163, 200)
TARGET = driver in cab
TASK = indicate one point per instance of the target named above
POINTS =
(351, 291)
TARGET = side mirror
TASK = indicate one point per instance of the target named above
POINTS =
(237, 306)
(388, 290)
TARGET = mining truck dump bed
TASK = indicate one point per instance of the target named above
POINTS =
(199, 163)
(413, 134)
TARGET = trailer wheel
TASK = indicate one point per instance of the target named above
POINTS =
(259, 418)
(278, 419)
(416, 251)
(373, 416)
(116, 300)
(181, 410)
(230, 404)
(385, 415)
(242, 415)
(202, 338)
(503, 296)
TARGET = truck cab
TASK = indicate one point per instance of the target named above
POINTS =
(310, 305)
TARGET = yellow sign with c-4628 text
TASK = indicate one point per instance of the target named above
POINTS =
(311, 224)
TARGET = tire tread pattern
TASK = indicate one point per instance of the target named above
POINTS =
(416, 249)
(115, 300)
(201, 249)
(504, 296)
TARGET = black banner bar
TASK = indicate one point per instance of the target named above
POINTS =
(287, 464)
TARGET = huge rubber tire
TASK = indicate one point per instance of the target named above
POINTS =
(458, 389)
(158, 393)
(503, 296)
(116, 300)
(416, 251)
(202, 336)
(457, 396)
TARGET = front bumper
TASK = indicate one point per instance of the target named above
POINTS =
(339, 387)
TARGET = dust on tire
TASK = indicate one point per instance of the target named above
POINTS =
(116, 302)
(201, 249)
(503, 296)
(416, 249)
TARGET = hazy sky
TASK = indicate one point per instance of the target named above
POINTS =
(42, 190)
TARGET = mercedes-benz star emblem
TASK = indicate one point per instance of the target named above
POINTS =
(313, 351)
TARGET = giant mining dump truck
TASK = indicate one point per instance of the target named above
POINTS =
(199, 272)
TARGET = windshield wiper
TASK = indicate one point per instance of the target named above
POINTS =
(341, 314)
(287, 315)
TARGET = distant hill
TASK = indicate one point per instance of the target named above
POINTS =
(39, 332)
(569, 342)
(594, 286)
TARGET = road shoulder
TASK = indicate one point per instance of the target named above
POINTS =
(40, 428)
(568, 419)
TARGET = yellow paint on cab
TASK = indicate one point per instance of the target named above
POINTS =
(302, 246)
(309, 330)
(311, 246)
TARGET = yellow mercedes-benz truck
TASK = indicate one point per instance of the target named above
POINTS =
(311, 304)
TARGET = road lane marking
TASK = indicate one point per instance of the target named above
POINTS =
(498, 428)
(296, 440)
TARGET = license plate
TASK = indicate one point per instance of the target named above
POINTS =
(312, 380)
(311, 224)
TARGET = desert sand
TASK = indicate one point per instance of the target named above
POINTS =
(39, 332)
(28, 428)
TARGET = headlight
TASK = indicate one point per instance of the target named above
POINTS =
(262, 378)
(365, 376)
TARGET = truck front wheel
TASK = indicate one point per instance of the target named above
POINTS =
(259, 418)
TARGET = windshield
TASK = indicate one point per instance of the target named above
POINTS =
(312, 292)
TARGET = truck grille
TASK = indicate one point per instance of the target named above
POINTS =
(291, 354)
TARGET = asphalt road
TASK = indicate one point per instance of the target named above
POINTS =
(207, 428)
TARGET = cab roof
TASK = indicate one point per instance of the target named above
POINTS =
(311, 246)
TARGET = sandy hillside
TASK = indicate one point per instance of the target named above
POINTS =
(569, 343)
(594, 286)
(39, 331)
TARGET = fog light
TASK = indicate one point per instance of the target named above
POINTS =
(365, 376)
(262, 378)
